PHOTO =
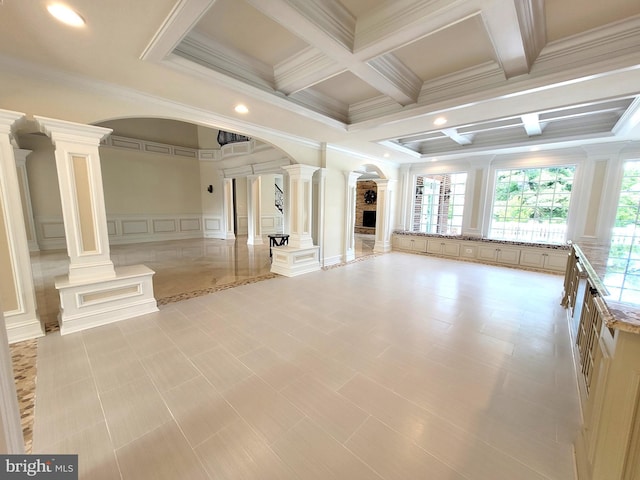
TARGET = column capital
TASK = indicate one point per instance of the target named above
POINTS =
(21, 155)
(603, 151)
(8, 119)
(351, 177)
(300, 170)
(63, 131)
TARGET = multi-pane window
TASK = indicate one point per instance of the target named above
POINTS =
(439, 203)
(532, 204)
(623, 271)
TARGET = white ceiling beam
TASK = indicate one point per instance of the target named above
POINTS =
(184, 16)
(460, 139)
(517, 31)
(404, 81)
(629, 123)
(303, 70)
(328, 29)
(531, 123)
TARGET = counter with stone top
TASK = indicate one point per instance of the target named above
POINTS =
(471, 238)
(617, 315)
(607, 355)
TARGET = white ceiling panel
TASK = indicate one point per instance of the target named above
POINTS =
(460, 46)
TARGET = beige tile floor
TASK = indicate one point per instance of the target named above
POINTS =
(397, 367)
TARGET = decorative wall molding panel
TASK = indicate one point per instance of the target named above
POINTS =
(127, 229)
(213, 227)
(124, 143)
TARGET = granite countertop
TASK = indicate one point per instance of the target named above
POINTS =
(617, 315)
(553, 246)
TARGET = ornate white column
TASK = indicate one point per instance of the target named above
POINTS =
(94, 292)
(254, 214)
(25, 196)
(228, 209)
(300, 255)
(82, 197)
(383, 216)
(350, 213)
(300, 204)
(17, 293)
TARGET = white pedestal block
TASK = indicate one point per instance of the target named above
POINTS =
(291, 261)
(91, 303)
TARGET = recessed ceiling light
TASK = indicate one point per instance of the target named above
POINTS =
(386, 155)
(66, 15)
(534, 149)
(241, 109)
(440, 121)
(434, 159)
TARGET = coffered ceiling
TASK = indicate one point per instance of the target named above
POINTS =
(362, 62)
(373, 75)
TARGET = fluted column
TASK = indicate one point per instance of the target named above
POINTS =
(254, 214)
(17, 292)
(300, 203)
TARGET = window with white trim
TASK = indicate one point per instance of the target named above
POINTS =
(532, 204)
(623, 271)
(439, 203)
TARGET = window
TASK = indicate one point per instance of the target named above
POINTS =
(531, 204)
(439, 203)
(623, 271)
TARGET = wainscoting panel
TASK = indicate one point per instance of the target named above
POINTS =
(213, 227)
(135, 227)
(50, 233)
(164, 226)
(271, 224)
(131, 229)
(112, 228)
(190, 225)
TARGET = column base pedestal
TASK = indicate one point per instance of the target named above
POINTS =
(291, 261)
(92, 303)
(22, 328)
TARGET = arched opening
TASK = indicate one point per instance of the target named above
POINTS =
(364, 211)
(176, 201)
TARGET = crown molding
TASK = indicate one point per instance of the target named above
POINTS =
(321, 103)
(371, 109)
(214, 55)
(304, 69)
(395, 24)
(362, 156)
(331, 17)
(616, 44)
(629, 122)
